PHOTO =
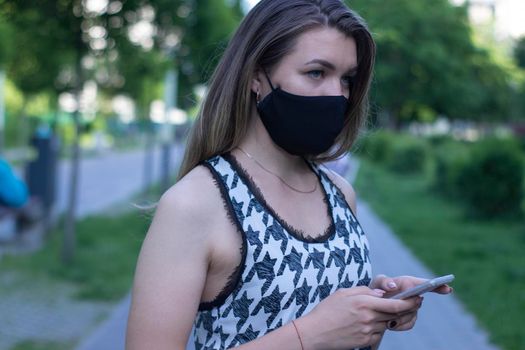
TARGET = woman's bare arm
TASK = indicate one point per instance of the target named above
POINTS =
(172, 267)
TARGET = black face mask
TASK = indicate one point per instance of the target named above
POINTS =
(302, 125)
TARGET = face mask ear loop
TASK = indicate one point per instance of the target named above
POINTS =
(268, 78)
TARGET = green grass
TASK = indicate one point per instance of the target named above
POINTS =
(106, 254)
(32, 345)
(487, 257)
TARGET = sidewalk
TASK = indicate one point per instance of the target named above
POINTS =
(442, 323)
(109, 179)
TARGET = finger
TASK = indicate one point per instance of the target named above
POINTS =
(445, 289)
(418, 303)
(383, 317)
(403, 323)
(405, 282)
(395, 306)
(377, 281)
(389, 284)
(376, 337)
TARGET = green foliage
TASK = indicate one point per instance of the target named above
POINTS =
(142, 71)
(427, 63)
(42, 345)
(43, 40)
(519, 52)
(491, 181)
(408, 155)
(208, 35)
(400, 152)
(377, 145)
(6, 41)
(521, 141)
(450, 158)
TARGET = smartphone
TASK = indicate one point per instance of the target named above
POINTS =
(424, 287)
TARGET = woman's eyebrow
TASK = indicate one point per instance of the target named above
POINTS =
(352, 71)
(329, 65)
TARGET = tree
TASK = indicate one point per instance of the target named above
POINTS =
(6, 42)
(53, 38)
(6, 51)
(519, 52)
(427, 64)
(195, 32)
(210, 29)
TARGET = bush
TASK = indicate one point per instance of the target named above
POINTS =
(491, 182)
(376, 146)
(521, 141)
(408, 155)
(450, 158)
(439, 140)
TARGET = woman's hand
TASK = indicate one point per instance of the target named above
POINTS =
(395, 285)
(352, 318)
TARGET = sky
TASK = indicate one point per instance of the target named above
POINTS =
(510, 18)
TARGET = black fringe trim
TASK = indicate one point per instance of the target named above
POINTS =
(299, 234)
(234, 280)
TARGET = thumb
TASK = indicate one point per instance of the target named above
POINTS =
(388, 284)
(385, 283)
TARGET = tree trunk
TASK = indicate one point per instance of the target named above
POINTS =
(148, 157)
(69, 244)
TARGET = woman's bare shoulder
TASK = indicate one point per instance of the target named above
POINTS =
(344, 186)
(194, 192)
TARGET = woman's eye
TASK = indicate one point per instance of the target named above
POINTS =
(347, 81)
(315, 74)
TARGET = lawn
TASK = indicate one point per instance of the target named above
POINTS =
(488, 256)
(103, 267)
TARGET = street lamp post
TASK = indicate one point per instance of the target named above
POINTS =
(167, 131)
(2, 110)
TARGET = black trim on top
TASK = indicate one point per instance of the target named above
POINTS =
(298, 234)
(235, 278)
(338, 190)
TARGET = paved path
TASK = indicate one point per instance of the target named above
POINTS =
(442, 324)
(107, 179)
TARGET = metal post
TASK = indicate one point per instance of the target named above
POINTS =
(2, 110)
(170, 94)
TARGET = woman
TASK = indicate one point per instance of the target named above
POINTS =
(257, 246)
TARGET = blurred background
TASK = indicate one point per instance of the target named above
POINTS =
(97, 96)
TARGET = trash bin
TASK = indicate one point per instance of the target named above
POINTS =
(41, 173)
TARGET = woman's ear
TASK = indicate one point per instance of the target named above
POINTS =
(256, 82)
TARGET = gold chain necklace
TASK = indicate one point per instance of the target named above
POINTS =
(277, 176)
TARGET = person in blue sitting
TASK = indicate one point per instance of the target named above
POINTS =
(13, 191)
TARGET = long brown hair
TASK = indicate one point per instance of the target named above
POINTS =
(265, 36)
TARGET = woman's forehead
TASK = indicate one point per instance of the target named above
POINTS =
(324, 44)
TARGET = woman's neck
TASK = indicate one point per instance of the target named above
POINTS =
(259, 145)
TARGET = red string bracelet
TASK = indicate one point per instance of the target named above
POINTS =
(298, 335)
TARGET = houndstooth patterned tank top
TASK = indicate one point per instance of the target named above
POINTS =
(282, 275)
